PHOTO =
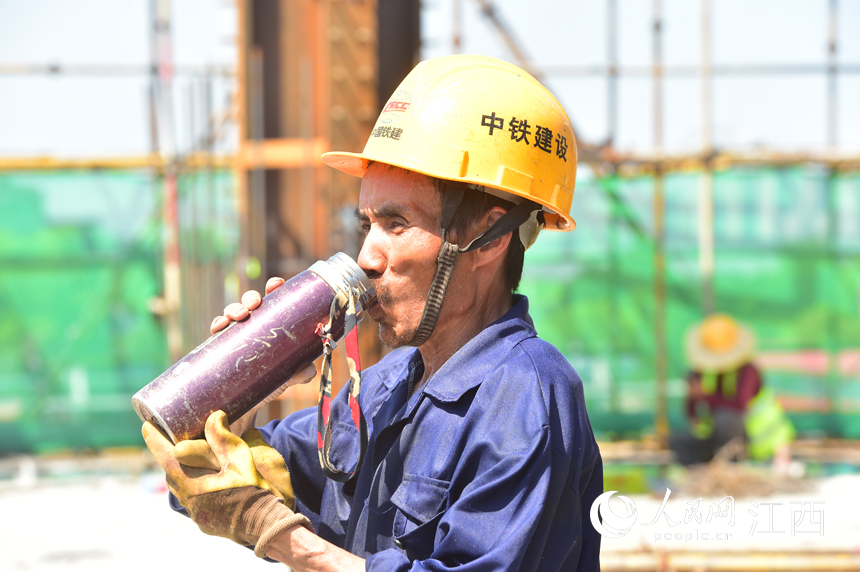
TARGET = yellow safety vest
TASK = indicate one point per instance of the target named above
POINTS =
(768, 427)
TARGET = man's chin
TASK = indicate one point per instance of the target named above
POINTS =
(389, 337)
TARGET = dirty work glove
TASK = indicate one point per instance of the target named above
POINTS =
(236, 502)
(271, 465)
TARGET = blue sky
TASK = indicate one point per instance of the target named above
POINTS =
(81, 116)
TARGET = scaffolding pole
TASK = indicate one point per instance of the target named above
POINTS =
(162, 54)
(706, 185)
(661, 418)
(832, 75)
(457, 26)
(108, 70)
(509, 37)
(252, 262)
(645, 71)
(612, 77)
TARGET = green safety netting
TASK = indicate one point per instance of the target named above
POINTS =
(80, 267)
(81, 262)
(787, 263)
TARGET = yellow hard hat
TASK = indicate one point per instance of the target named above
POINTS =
(481, 121)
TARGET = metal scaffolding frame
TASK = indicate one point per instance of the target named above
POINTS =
(256, 153)
(605, 159)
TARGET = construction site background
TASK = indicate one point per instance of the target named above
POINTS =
(82, 278)
(112, 266)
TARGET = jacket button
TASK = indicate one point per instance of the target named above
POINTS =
(398, 544)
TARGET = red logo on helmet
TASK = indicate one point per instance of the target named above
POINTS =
(396, 106)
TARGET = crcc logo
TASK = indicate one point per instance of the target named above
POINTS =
(613, 526)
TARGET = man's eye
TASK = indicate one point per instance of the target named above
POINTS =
(365, 227)
(396, 224)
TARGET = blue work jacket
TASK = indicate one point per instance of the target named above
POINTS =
(490, 465)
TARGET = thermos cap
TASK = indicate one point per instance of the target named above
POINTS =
(342, 274)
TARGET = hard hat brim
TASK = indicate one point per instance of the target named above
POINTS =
(356, 164)
(705, 359)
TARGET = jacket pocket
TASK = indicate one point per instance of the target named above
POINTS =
(420, 503)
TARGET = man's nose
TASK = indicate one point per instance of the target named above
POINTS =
(372, 259)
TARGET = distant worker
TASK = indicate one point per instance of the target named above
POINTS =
(726, 398)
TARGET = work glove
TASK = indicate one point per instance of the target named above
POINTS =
(269, 463)
(236, 502)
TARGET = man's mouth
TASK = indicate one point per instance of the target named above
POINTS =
(383, 296)
(375, 312)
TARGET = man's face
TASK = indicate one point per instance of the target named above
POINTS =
(399, 213)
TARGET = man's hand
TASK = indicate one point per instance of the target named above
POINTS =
(268, 461)
(293, 545)
(235, 502)
(235, 462)
(249, 420)
(238, 311)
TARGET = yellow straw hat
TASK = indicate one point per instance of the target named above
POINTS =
(719, 343)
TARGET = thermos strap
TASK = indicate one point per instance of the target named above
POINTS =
(324, 407)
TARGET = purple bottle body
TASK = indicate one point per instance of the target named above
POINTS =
(240, 366)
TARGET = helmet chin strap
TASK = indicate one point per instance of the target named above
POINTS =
(447, 258)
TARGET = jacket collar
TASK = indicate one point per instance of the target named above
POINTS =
(468, 367)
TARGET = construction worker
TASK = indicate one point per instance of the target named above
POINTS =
(479, 451)
(726, 399)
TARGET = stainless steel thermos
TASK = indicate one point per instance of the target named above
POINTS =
(240, 366)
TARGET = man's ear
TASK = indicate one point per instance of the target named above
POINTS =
(495, 249)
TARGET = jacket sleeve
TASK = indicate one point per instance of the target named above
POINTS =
(294, 437)
(488, 527)
(526, 473)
